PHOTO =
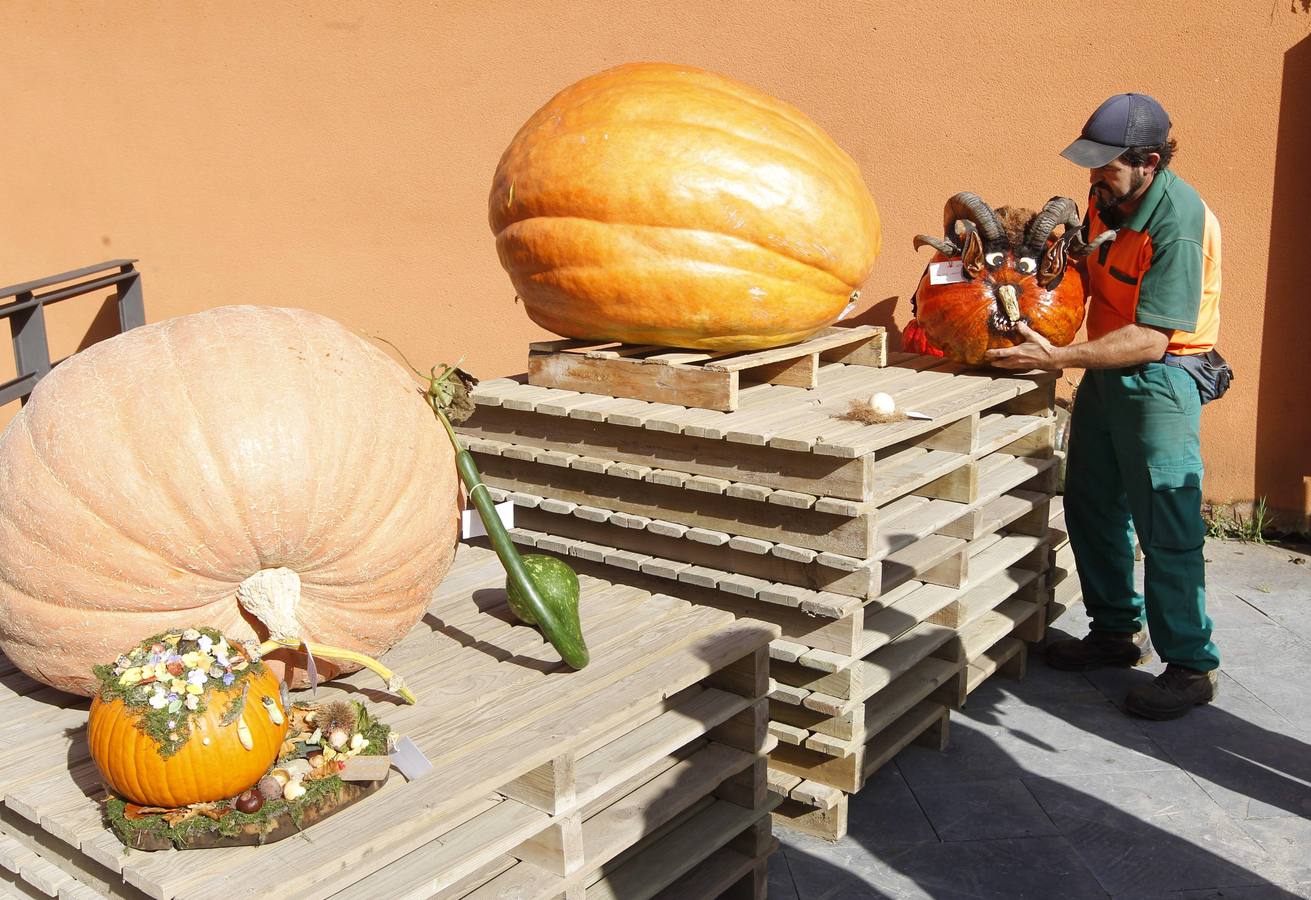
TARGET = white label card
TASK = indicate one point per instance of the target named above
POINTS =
(410, 760)
(950, 272)
(850, 308)
(472, 523)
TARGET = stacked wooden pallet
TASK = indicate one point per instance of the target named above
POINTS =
(642, 775)
(903, 562)
(1062, 576)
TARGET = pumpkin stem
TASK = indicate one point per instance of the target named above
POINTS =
(272, 595)
(395, 683)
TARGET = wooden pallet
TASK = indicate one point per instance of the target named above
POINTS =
(784, 438)
(1062, 578)
(822, 811)
(546, 779)
(696, 379)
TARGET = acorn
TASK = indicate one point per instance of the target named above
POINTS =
(249, 801)
(269, 787)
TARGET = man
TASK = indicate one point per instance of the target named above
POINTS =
(1135, 448)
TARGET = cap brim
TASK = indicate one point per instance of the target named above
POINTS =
(1090, 154)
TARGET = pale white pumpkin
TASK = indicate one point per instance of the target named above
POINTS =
(151, 474)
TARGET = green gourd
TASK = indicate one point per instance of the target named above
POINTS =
(557, 584)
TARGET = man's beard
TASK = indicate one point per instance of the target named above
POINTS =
(1107, 209)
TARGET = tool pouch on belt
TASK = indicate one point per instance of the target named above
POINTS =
(1209, 370)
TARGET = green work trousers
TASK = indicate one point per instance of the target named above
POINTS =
(1135, 464)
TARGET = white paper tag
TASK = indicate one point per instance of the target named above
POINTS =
(472, 523)
(850, 308)
(311, 670)
(950, 272)
(409, 759)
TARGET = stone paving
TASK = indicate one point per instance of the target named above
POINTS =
(1048, 790)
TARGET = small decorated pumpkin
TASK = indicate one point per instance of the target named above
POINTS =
(996, 269)
(185, 717)
(661, 204)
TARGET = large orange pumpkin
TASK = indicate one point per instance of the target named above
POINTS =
(1007, 269)
(213, 765)
(661, 204)
(151, 474)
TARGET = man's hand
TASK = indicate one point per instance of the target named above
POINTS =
(1035, 353)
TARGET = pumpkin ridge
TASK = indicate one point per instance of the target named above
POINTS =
(752, 139)
(86, 504)
(224, 476)
(311, 527)
(848, 286)
(179, 505)
(401, 509)
(812, 170)
(797, 121)
(664, 74)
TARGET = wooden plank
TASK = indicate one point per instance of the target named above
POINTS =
(851, 536)
(458, 853)
(622, 825)
(637, 750)
(673, 855)
(676, 385)
(764, 466)
(830, 339)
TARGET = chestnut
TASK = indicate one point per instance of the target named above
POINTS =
(249, 801)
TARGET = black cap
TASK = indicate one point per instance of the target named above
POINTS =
(1123, 121)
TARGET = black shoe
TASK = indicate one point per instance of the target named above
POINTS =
(1099, 649)
(1173, 693)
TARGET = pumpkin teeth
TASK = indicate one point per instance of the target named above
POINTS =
(1009, 302)
(271, 707)
(243, 734)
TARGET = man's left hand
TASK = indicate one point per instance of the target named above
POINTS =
(1035, 353)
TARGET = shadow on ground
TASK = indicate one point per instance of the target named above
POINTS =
(1048, 790)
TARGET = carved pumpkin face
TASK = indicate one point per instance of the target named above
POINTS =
(1008, 275)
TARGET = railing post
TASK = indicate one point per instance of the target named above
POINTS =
(131, 306)
(31, 348)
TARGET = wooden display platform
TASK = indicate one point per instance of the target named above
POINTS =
(696, 379)
(786, 438)
(901, 562)
(614, 781)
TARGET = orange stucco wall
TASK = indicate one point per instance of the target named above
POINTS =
(337, 156)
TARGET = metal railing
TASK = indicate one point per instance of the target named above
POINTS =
(26, 313)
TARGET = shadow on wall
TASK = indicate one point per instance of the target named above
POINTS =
(104, 325)
(1282, 439)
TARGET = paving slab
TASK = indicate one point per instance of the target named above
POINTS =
(1065, 735)
(984, 810)
(1151, 831)
(887, 813)
(1026, 869)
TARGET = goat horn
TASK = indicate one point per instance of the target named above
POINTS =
(966, 205)
(1079, 248)
(946, 248)
(1057, 211)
